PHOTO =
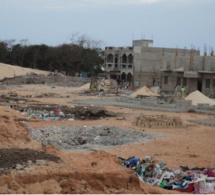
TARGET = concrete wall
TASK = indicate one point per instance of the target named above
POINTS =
(149, 63)
(209, 91)
(209, 63)
(146, 78)
(190, 85)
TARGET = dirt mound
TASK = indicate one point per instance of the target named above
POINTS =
(50, 79)
(198, 98)
(10, 71)
(144, 91)
(94, 173)
(12, 132)
(85, 87)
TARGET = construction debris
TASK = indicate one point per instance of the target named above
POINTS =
(102, 84)
(88, 138)
(158, 121)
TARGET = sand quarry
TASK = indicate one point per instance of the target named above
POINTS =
(36, 157)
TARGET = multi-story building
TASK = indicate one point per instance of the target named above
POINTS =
(119, 63)
(142, 64)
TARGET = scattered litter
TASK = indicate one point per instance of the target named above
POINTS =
(196, 180)
(49, 113)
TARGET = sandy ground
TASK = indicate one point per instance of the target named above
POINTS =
(10, 71)
(191, 146)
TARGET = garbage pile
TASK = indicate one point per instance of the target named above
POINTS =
(195, 180)
(55, 112)
(45, 115)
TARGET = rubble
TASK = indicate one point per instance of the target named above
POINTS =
(88, 138)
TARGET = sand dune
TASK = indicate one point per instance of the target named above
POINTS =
(10, 71)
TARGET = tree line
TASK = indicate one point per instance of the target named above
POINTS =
(80, 55)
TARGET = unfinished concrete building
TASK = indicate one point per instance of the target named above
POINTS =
(142, 64)
(194, 72)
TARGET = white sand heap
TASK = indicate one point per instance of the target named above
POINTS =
(198, 98)
(144, 91)
(11, 71)
(85, 87)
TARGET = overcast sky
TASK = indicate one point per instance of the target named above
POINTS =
(170, 23)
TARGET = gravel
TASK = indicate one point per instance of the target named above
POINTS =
(88, 138)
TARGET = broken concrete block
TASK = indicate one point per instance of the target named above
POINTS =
(19, 167)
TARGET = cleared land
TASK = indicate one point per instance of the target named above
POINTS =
(56, 169)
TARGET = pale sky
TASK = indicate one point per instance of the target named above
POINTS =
(171, 23)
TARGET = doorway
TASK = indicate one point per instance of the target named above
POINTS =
(199, 87)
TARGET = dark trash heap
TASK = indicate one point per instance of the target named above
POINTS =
(70, 113)
(195, 180)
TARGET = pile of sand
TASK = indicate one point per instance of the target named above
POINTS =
(144, 91)
(85, 87)
(198, 98)
(10, 71)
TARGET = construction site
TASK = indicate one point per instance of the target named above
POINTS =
(70, 135)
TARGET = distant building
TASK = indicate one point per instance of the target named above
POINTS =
(143, 64)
